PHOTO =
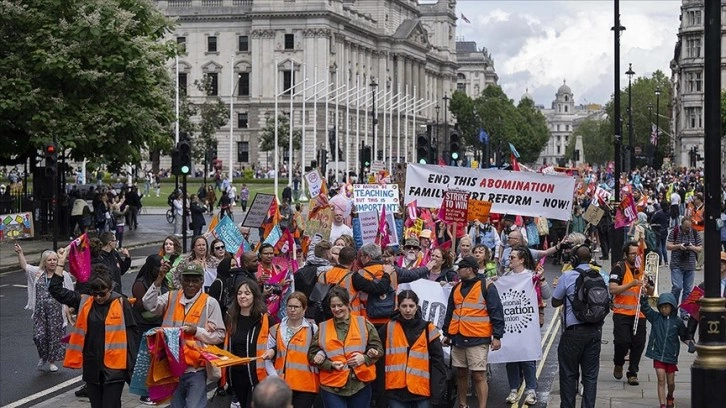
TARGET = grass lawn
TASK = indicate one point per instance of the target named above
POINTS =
(152, 200)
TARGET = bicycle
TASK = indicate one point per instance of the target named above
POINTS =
(170, 216)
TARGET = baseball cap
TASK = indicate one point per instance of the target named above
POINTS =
(468, 262)
(193, 269)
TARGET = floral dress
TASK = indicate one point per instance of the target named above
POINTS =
(48, 323)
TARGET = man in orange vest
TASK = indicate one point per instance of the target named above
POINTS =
(474, 322)
(696, 212)
(200, 318)
(626, 282)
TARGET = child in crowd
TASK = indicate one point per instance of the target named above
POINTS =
(663, 346)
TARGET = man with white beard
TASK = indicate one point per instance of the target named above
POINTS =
(412, 257)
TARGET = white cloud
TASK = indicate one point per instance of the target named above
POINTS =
(537, 44)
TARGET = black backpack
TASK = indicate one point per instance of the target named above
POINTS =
(381, 306)
(319, 305)
(591, 301)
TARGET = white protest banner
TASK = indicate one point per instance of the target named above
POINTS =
(315, 183)
(433, 299)
(373, 197)
(511, 192)
(521, 341)
(258, 210)
(368, 226)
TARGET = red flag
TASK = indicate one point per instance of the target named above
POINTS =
(515, 163)
(383, 238)
(441, 162)
(273, 218)
(285, 243)
(79, 259)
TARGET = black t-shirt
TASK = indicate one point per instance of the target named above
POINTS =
(239, 337)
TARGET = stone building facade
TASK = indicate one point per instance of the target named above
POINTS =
(476, 69)
(244, 46)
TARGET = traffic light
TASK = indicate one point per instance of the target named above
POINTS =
(51, 159)
(175, 162)
(455, 145)
(367, 156)
(423, 149)
(185, 158)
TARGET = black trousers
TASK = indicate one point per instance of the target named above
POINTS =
(241, 385)
(106, 395)
(302, 399)
(625, 341)
(579, 351)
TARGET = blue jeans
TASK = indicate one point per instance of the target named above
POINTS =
(392, 403)
(515, 371)
(662, 246)
(192, 391)
(579, 351)
(361, 398)
(682, 280)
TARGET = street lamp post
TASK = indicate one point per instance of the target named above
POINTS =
(631, 136)
(617, 233)
(436, 128)
(657, 119)
(373, 86)
(446, 126)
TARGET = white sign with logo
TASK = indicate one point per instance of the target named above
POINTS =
(521, 340)
(433, 299)
(315, 183)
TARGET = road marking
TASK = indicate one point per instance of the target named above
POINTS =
(43, 393)
(20, 286)
(555, 323)
(3, 285)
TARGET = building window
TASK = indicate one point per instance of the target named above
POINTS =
(212, 43)
(243, 152)
(694, 18)
(559, 150)
(694, 82)
(213, 79)
(244, 84)
(565, 108)
(289, 41)
(183, 83)
(461, 87)
(693, 47)
(558, 129)
(694, 118)
(287, 80)
(567, 127)
(242, 121)
(243, 43)
(182, 43)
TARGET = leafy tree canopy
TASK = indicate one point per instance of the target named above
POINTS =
(267, 139)
(91, 73)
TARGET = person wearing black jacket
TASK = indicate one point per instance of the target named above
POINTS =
(197, 209)
(110, 257)
(104, 385)
(133, 201)
(409, 320)
(660, 223)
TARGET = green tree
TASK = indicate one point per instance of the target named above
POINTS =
(596, 141)
(267, 139)
(213, 114)
(90, 73)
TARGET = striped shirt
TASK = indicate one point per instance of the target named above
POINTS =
(683, 259)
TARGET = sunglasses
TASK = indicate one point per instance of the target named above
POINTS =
(100, 293)
(219, 247)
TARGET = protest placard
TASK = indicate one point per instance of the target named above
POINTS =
(433, 299)
(373, 197)
(479, 210)
(228, 232)
(593, 214)
(510, 192)
(368, 226)
(315, 183)
(320, 223)
(258, 210)
(455, 205)
(16, 226)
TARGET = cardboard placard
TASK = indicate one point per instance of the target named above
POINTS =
(479, 210)
(258, 210)
(593, 214)
(455, 206)
(320, 224)
(16, 226)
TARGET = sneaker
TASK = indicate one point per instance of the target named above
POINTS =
(82, 392)
(618, 372)
(147, 401)
(512, 397)
(53, 368)
(234, 404)
(670, 403)
(633, 380)
(41, 363)
(530, 398)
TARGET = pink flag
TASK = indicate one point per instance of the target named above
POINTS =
(79, 259)
(383, 237)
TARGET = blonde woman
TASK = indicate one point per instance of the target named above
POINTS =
(49, 317)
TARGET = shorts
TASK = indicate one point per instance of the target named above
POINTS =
(474, 358)
(668, 367)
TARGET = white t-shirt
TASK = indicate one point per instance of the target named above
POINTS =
(337, 230)
(675, 198)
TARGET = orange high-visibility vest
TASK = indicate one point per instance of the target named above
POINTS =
(470, 317)
(262, 347)
(355, 342)
(626, 303)
(697, 218)
(376, 272)
(291, 360)
(114, 350)
(337, 276)
(407, 366)
(197, 316)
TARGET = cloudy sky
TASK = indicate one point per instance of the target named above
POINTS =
(537, 44)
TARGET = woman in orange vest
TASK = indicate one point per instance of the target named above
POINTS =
(415, 368)
(247, 334)
(345, 349)
(290, 341)
(104, 341)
